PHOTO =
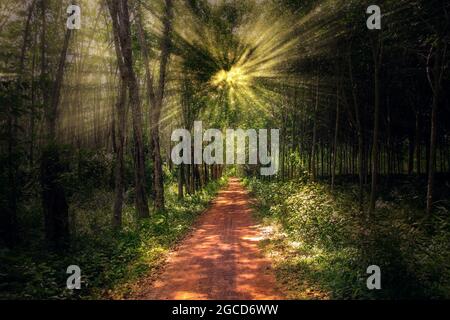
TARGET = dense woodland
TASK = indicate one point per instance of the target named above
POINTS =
(87, 115)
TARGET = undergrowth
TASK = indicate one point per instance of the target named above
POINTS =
(108, 259)
(321, 244)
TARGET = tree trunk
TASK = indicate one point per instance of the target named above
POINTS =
(436, 86)
(314, 138)
(336, 134)
(180, 181)
(411, 154)
(417, 143)
(10, 223)
(121, 27)
(377, 51)
(165, 55)
(360, 135)
(54, 201)
(156, 97)
(119, 151)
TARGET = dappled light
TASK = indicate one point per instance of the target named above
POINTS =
(224, 149)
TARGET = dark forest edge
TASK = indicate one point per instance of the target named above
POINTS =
(111, 259)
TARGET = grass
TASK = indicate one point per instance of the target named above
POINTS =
(110, 261)
(321, 245)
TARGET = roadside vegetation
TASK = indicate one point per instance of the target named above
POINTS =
(321, 245)
(111, 259)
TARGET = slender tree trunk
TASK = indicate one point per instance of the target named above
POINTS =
(437, 88)
(180, 181)
(188, 179)
(156, 97)
(165, 55)
(377, 51)
(360, 134)
(417, 143)
(336, 134)
(32, 107)
(121, 26)
(314, 138)
(52, 114)
(411, 153)
(119, 151)
(283, 147)
(54, 201)
(10, 224)
(389, 148)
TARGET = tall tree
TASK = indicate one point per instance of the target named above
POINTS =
(377, 51)
(119, 170)
(119, 11)
(336, 135)
(156, 92)
(436, 84)
(54, 200)
(13, 165)
(314, 137)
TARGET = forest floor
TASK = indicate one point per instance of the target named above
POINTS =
(220, 259)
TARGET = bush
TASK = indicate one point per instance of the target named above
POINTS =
(334, 244)
(109, 260)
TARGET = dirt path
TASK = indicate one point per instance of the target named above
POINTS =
(221, 259)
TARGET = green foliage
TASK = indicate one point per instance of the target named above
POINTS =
(109, 259)
(325, 243)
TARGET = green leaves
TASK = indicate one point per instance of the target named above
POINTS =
(334, 244)
(109, 260)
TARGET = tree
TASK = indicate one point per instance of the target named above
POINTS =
(54, 200)
(119, 12)
(119, 147)
(436, 85)
(155, 93)
(336, 135)
(377, 50)
(314, 137)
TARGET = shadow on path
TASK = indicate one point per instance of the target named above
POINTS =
(221, 259)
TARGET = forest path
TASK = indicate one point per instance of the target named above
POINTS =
(220, 260)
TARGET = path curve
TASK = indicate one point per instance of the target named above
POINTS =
(220, 260)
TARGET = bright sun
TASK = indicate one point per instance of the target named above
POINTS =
(232, 78)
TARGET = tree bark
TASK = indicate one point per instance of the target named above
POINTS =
(121, 26)
(335, 140)
(54, 201)
(417, 144)
(156, 97)
(377, 51)
(10, 223)
(360, 134)
(156, 115)
(437, 88)
(180, 181)
(314, 138)
(119, 151)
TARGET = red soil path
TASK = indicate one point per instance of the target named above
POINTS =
(221, 259)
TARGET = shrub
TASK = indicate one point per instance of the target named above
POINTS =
(337, 243)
